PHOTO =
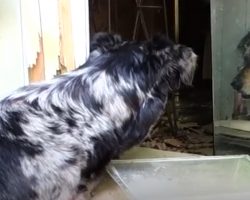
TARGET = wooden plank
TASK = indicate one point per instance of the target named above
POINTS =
(37, 71)
(230, 145)
(80, 30)
(233, 30)
(31, 41)
(247, 12)
(228, 27)
(240, 125)
(216, 37)
(50, 35)
(66, 57)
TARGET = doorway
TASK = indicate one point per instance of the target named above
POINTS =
(184, 21)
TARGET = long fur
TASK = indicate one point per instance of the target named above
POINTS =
(241, 81)
(244, 48)
(54, 135)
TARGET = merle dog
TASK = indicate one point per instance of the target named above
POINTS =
(241, 82)
(56, 134)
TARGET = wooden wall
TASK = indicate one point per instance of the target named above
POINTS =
(39, 39)
(60, 40)
(55, 54)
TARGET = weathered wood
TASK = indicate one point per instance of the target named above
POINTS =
(66, 57)
(50, 34)
(37, 71)
(230, 22)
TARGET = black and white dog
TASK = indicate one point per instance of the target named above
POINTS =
(55, 135)
(241, 82)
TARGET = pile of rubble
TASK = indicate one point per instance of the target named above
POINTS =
(194, 121)
(191, 138)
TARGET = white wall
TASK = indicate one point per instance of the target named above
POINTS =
(12, 72)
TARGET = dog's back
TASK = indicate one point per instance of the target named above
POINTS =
(35, 156)
(55, 135)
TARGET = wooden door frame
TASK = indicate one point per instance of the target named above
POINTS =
(71, 46)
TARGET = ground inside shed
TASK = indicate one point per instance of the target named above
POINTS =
(195, 123)
(188, 25)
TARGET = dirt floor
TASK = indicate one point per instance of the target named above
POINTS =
(195, 128)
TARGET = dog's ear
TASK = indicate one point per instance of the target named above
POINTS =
(244, 44)
(105, 42)
(178, 61)
(158, 43)
(244, 48)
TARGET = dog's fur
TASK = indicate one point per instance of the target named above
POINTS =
(54, 135)
(241, 82)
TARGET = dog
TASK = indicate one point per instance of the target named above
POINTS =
(241, 82)
(56, 135)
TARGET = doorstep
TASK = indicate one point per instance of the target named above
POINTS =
(109, 190)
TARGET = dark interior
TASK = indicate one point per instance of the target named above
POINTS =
(192, 105)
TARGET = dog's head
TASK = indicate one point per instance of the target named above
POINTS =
(241, 82)
(132, 69)
(178, 62)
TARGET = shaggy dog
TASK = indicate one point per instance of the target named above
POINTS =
(241, 82)
(56, 134)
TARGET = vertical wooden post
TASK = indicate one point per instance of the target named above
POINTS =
(176, 20)
(176, 103)
(66, 57)
(37, 71)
